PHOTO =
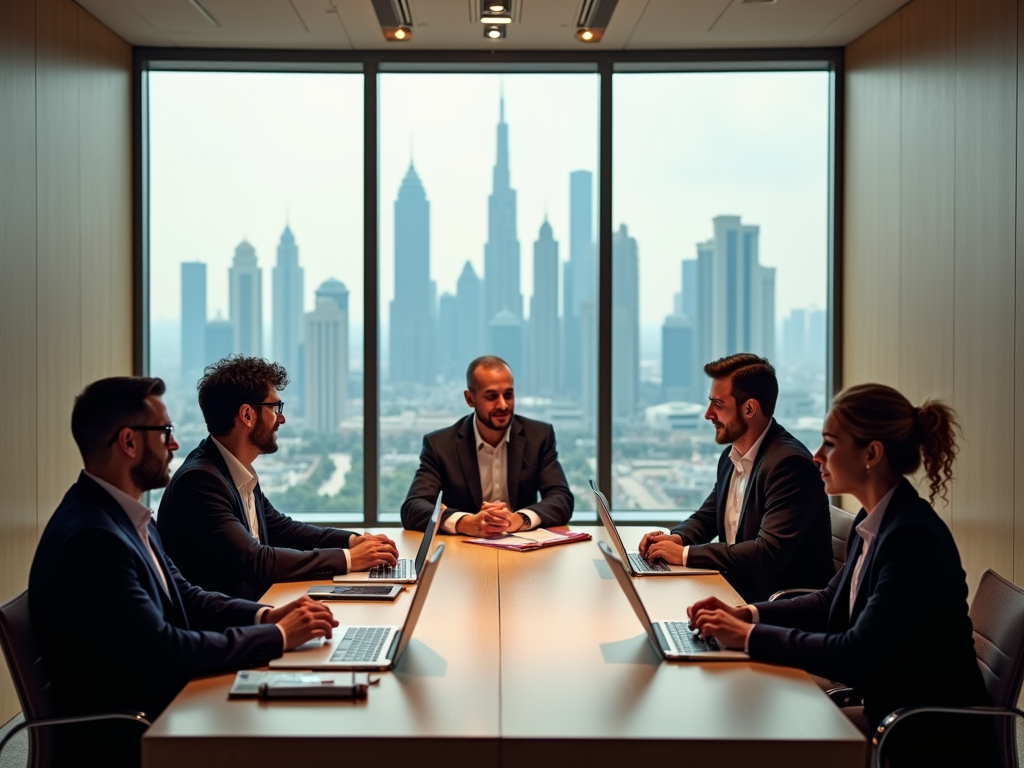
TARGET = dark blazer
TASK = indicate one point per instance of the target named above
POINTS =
(206, 530)
(784, 536)
(448, 462)
(112, 639)
(909, 640)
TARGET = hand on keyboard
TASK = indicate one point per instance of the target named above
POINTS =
(373, 551)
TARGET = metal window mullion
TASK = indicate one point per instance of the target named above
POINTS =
(371, 299)
(604, 287)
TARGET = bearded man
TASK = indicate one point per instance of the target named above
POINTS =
(768, 508)
(216, 522)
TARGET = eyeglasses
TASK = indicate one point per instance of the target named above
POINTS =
(277, 406)
(167, 429)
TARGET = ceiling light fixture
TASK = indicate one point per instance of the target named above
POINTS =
(495, 31)
(588, 35)
(395, 19)
(495, 12)
(398, 33)
(593, 19)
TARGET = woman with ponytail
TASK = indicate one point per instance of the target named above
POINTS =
(893, 623)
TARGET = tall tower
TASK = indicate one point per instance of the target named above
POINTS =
(193, 321)
(542, 349)
(245, 299)
(470, 332)
(287, 321)
(412, 309)
(326, 333)
(580, 281)
(501, 253)
(625, 324)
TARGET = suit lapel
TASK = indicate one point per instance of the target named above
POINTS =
(466, 450)
(725, 470)
(772, 431)
(514, 459)
(839, 613)
(213, 453)
(261, 517)
(172, 585)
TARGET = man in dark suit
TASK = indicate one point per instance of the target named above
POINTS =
(119, 629)
(215, 520)
(491, 465)
(768, 507)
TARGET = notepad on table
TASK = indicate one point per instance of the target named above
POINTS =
(523, 541)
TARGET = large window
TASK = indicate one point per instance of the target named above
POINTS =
(489, 230)
(256, 243)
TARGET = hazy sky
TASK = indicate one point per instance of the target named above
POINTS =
(235, 156)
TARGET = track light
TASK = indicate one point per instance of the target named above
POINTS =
(495, 11)
(398, 34)
(588, 35)
(495, 31)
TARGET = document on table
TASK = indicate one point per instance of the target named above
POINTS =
(535, 539)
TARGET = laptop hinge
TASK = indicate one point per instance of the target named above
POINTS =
(662, 641)
(394, 644)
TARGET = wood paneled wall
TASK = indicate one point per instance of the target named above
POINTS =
(65, 255)
(933, 266)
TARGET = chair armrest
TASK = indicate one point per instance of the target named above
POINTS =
(139, 717)
(845, 697)
(891, 720)
(788, 593)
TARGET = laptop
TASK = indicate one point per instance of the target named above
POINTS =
(405, 571)
(674, 640)
(370, 648)
(634, 562)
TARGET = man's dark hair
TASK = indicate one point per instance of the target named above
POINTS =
(107, 406)
(752, 378)
(484, 361)
(230, 383)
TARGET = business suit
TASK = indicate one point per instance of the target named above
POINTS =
(449, 462)
(784, 536)
(205, 528)
(112, 639)
(908, 640)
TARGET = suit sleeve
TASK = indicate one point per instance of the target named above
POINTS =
(124, 613)
(702, 526)
(902, 595)
(556, 500)
(793, 496)
(808, 612)
(205, 514)
(285, 532)
(426, 484)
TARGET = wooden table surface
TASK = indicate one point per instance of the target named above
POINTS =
(562, 673)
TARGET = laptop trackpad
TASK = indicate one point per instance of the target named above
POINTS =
(310, 645)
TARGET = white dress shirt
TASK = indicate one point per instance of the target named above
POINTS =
(492, 463)
(245, 481)
(743, 464)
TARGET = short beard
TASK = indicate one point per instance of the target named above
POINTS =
(488, 422)
(151, 472)
(263, 438)
(732, 431)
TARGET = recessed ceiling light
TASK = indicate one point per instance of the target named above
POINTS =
(495, 31)
(495, 11)
(398, 34)
(496, 7)
(587, 35)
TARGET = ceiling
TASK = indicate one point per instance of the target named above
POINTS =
(540, 25)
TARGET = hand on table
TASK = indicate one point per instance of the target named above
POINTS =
(371, 551)
(301, 620)
(729, 625)
(493, 519)
(662, 546)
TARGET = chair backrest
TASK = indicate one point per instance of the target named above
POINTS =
(997, 613)
(31, 681)
(842, 524)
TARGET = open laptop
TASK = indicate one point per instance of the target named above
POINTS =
(405, 571)
(674, 640)
(365, 647)
(634, 562)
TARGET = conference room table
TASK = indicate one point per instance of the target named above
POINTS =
(522, 659)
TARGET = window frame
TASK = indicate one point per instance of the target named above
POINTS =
(371, 64)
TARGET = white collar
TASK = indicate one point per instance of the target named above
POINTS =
(240, 474)
(479, 440)
(137, 512)
(751, 454)
(871, 524)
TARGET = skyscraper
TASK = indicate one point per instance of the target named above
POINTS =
(288, 289)
(245, 294)
(326, 351)
(625, 324)
(193, 320)
(743, 295)
(506, 334)
(678, 360)
(470, 331)
(580, 279)
(448, 321)
(542, 349)
(794, 338)
(412, 329)
(501, 252)
(219, 339)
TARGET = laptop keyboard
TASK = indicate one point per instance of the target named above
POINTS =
(361, 644)
(686, 641)
(403, 570)
(639, 564)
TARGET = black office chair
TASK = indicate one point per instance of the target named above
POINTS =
(997, 613)
(842, 524)
(32, 684)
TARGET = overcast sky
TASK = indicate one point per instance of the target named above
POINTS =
(238, 155)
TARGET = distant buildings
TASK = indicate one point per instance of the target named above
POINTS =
(245, 301)
(287, 290)
(625, 324)
(326, 374)
(193, 320)
(579, 283)
(543, 346)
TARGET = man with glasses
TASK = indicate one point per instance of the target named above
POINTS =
(119, 628)
(216, 522)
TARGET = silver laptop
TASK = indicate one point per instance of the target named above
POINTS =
(405, 571)
(364, 647)
(634, 562)
(674, 640)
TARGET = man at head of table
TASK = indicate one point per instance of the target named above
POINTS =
(768, 508)
(499, 472)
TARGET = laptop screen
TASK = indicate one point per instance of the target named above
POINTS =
(631, 594)
(606, 519)
(428, 535)
(426, 576)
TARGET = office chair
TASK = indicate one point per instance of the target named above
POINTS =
(32, 684)
(842, 524)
